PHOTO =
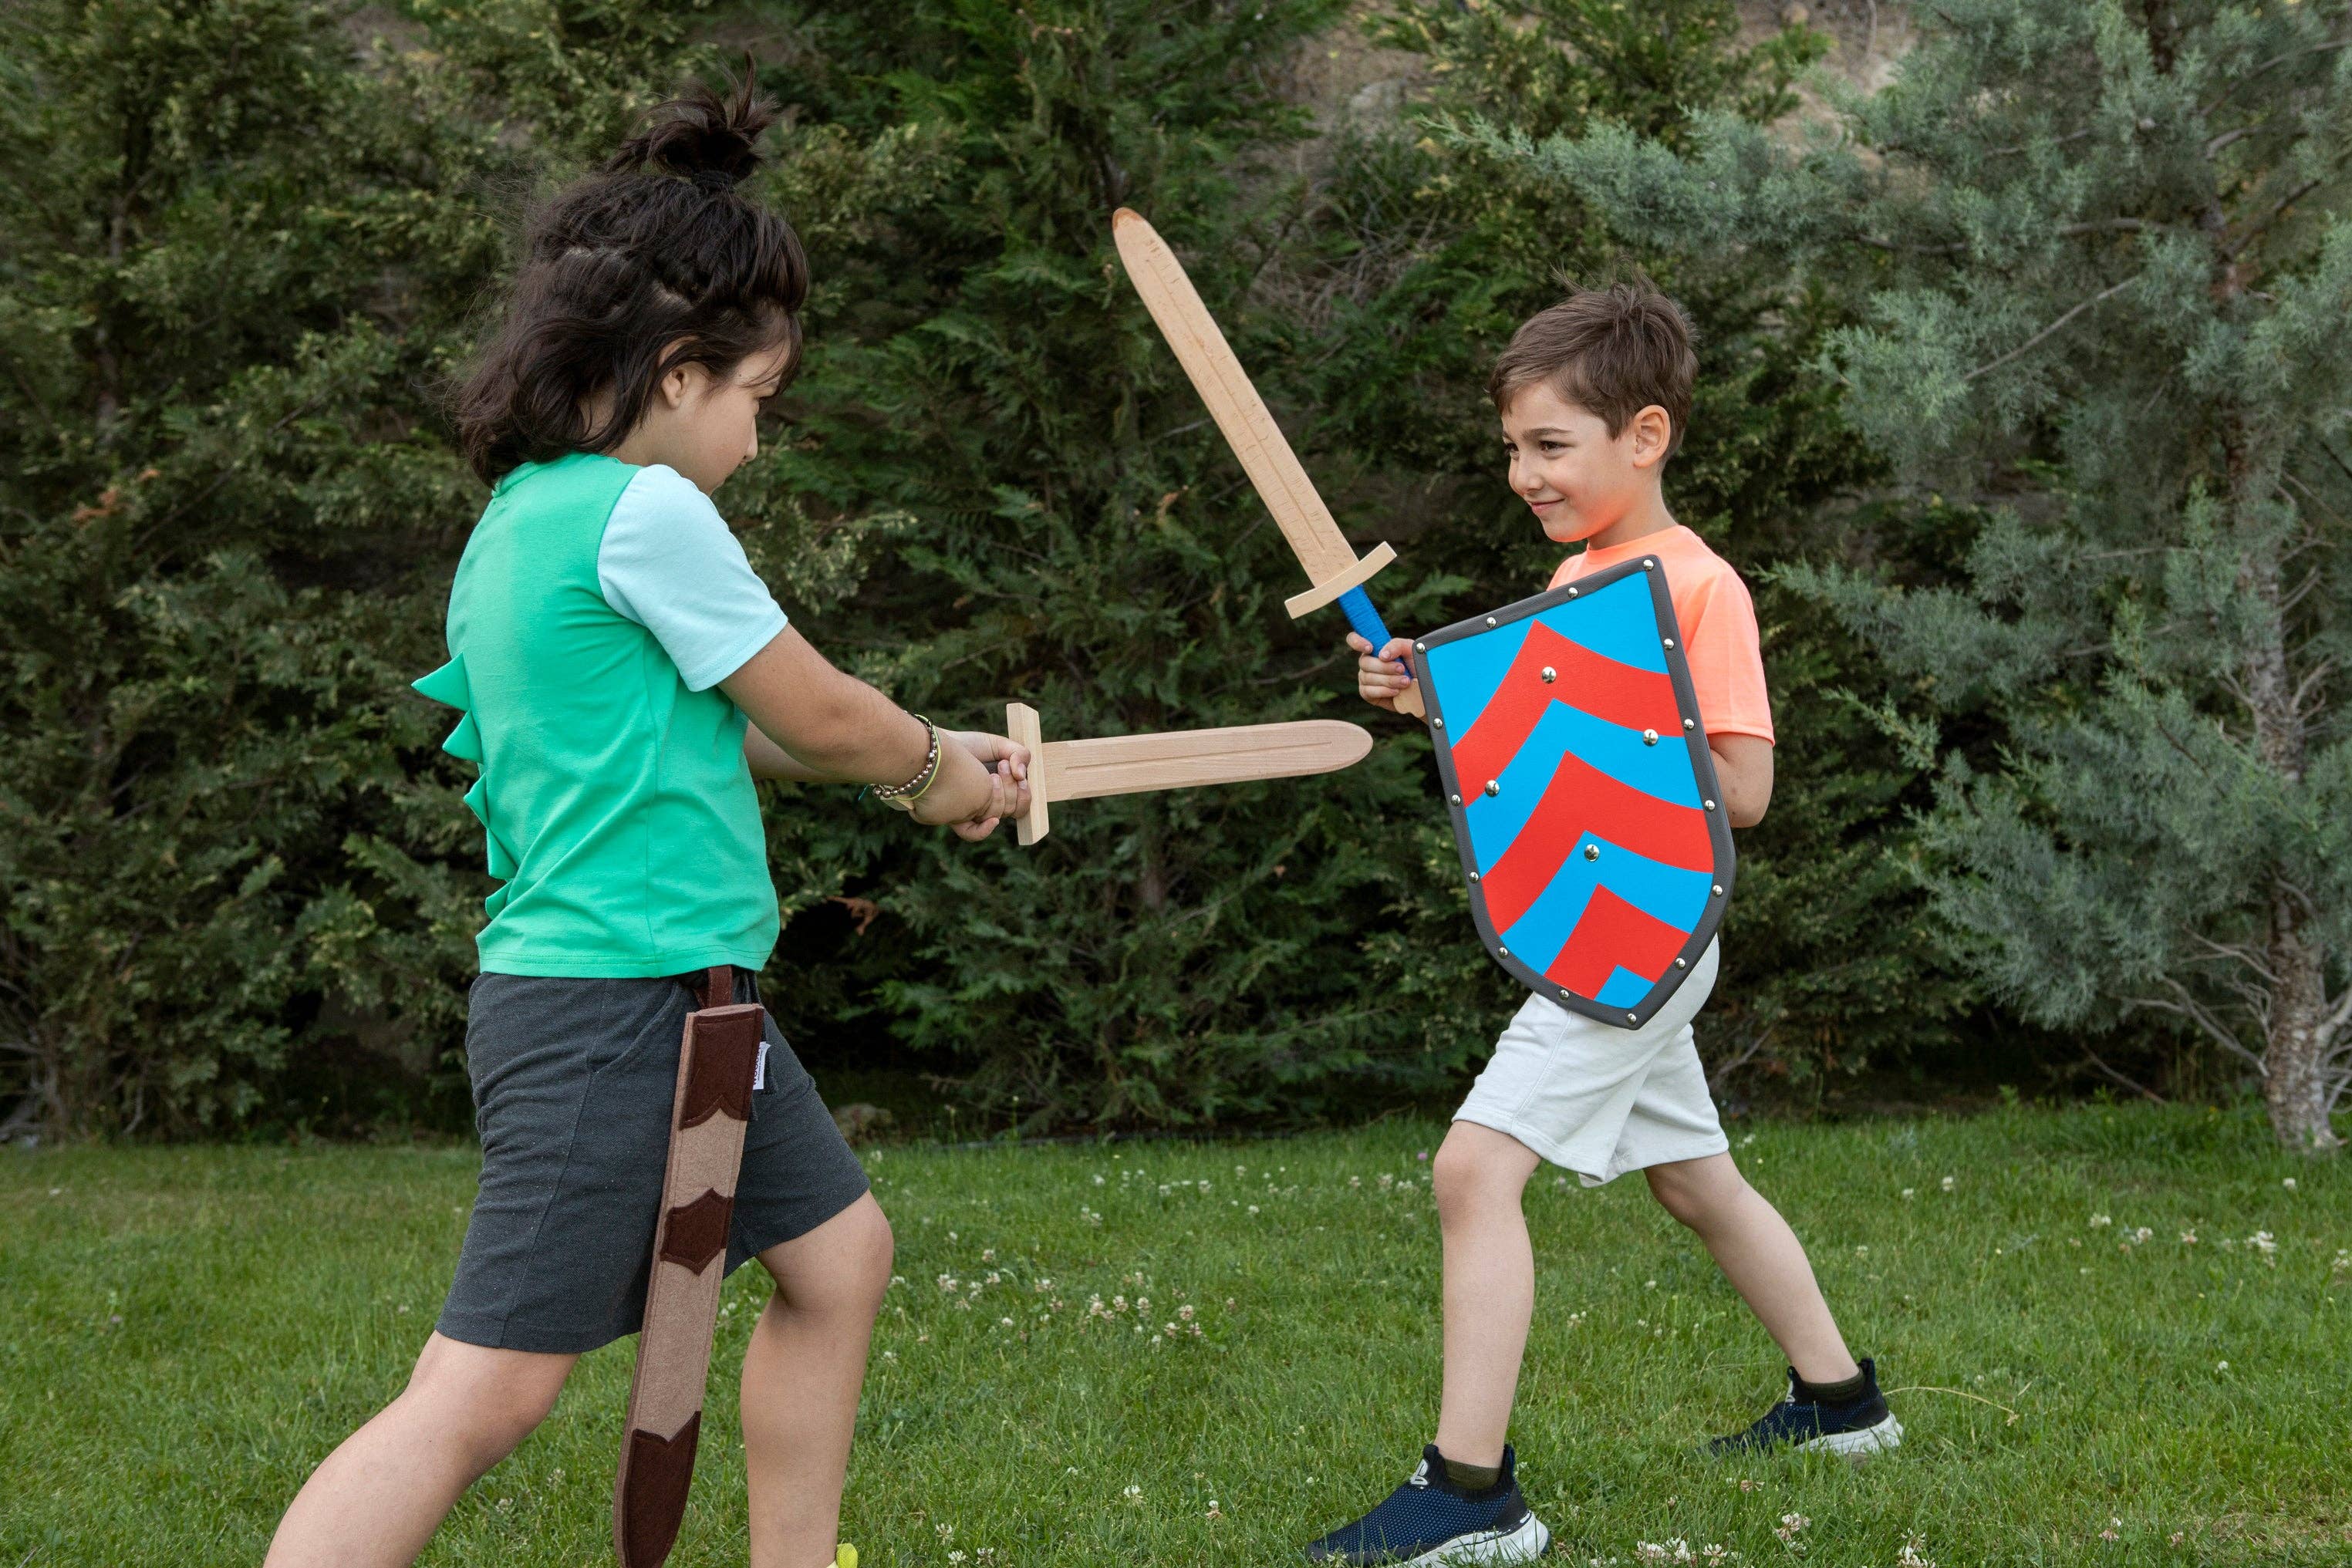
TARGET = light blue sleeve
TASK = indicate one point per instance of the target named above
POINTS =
(670, 563)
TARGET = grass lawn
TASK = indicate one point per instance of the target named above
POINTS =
(186, 1332)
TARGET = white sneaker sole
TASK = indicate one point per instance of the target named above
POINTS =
(1525, 1544)
(1887, 1434)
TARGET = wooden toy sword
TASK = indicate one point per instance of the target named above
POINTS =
(1177, 760)
(1332, 565)
(717, 1068)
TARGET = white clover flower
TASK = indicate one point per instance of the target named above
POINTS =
(2288, 1184)
(1133, 1494)
(2100, 1221)
(1950, 1183)
(1909, 1191)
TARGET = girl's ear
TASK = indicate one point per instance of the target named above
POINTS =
(679, 382)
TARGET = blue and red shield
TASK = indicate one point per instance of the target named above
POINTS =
(1581, 790)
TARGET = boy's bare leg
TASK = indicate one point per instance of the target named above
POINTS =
(801, 1377)
(379, 1496)
(1762, 1259)
(1490, 1286)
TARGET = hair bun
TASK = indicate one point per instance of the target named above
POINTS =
(713, 141)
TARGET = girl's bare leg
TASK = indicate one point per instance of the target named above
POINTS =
(379, 1496)
(801, 1378)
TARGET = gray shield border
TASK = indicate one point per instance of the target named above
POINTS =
(1702, 766)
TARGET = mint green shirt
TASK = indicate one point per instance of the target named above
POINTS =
(620, 814)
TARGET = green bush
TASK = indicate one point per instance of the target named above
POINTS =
(247, 247)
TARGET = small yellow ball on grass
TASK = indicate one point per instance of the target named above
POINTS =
(846, 1557)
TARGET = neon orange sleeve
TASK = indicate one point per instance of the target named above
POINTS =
(1725, 654)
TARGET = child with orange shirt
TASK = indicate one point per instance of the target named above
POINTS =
(1594, 393)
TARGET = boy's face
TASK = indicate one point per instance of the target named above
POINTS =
(1577, 478)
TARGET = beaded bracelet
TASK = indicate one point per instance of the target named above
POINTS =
(902, 797)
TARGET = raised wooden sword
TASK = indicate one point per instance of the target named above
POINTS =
(1063, 770)
(1331, 562)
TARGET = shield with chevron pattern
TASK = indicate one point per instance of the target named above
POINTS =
(1581, 790)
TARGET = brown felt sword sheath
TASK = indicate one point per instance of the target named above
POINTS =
(707, 1115)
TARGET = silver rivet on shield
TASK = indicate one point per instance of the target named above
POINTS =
(1549, 674)
(1649, 738)
(1669, 642)
(1563, 993)
(1436, 723)
(1681, 963)
(1502, 952)
(1474, 876)
(1592, 852)
(1494, 786)
(1632, 1017)
(1718, 890)
(1649, 566)
(1490, 621)
(1709, 804)
(1420, 647)
(1571, 593)
(1690, 724)
(1457, 800)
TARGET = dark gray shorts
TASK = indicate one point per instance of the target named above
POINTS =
(573, 1081)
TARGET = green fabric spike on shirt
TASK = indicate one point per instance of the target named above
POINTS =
(465, 742)
(447, 685)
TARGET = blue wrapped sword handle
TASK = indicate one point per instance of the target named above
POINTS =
(1357, 606)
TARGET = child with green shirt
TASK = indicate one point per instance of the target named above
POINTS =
(623, 676)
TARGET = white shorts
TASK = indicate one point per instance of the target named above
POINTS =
(1599, 1100)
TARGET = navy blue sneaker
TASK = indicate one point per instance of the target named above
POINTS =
(1858, 1427)
(1430, 1520)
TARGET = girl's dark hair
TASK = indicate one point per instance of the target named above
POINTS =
(656, 261)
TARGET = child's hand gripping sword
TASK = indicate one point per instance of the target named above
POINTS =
(1331, 563)
(1176, 759)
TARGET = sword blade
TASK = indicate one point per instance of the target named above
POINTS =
(1209, 362)
(1181, 760)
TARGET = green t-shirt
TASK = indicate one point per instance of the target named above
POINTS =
(620, 813)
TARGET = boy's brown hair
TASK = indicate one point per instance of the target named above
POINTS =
(1612, 350)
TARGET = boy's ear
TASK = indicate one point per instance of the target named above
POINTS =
(1652, 429)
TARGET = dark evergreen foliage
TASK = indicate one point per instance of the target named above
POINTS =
(243, 254)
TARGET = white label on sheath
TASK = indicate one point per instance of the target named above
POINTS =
(759, 1069)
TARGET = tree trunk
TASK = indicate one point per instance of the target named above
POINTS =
(2294, 1053)
(2294, 1057)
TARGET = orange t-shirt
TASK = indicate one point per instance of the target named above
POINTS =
(1718, 619)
